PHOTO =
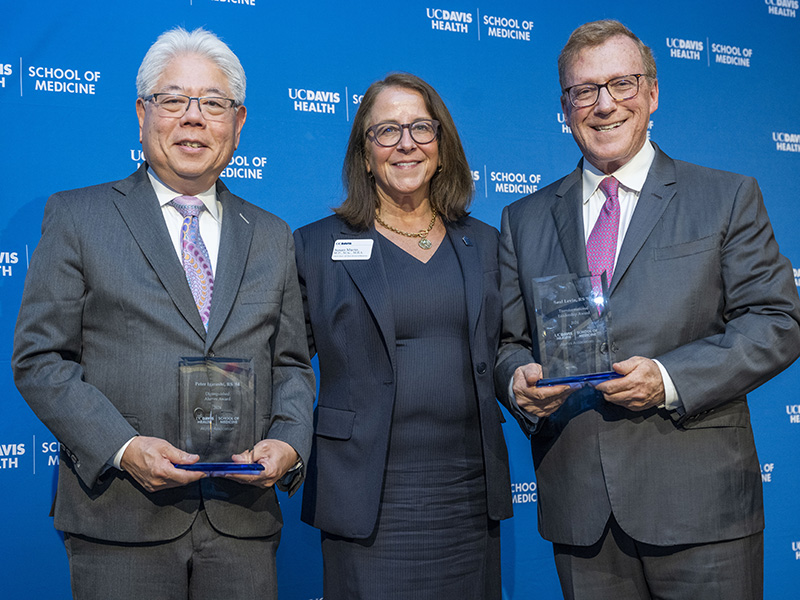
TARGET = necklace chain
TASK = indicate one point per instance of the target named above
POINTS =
(423, 243)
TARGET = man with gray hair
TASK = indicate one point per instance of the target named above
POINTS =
(132, 283)
(649, 484)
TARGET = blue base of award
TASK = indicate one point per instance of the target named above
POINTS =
(591, 379)
(222, 468)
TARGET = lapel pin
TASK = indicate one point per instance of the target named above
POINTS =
(243, 219)
(467, 241)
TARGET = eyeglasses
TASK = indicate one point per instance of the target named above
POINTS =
(422, 131)
(213, 108)
(619, 88)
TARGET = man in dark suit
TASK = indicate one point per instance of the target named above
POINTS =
(649, 485)
(109, 312)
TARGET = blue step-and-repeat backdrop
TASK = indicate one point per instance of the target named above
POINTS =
(730, 92)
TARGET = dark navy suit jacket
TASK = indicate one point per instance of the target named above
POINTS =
(351, 328)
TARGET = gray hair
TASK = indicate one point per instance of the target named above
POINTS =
(179, 42)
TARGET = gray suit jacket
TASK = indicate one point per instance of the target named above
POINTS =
(700, 286)
(106, 316)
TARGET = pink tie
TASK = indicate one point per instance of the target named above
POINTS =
(601, 247)
(196, 263)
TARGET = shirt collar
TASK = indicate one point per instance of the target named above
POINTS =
(166, 194)
(631, 175)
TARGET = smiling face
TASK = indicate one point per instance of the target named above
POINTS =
(188, 152)
(610, 133)
(403, 171)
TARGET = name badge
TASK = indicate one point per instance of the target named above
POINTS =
(352, 250)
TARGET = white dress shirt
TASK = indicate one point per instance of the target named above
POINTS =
(210, 219)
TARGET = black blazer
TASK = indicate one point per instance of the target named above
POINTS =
(351, 327)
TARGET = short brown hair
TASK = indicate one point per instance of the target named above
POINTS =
(451, 186)
(594, 34)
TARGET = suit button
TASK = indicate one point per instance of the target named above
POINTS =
(481, 368)
(211, 354)
(604, 347)
(614, 347)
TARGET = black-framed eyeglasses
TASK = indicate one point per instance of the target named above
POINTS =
(175, 105)
(619, 88)
(389, 133)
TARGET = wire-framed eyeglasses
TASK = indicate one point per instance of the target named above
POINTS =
(619, 88)
(175, 105)
(389, 133)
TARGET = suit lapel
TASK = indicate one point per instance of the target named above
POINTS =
(369, 276)
(568, 215)
(238, 220)
(471, 271)
(139, 208)
(659, 189)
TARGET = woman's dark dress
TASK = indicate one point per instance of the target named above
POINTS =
(433, 539)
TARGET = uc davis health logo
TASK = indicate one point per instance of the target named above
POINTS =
(449, 20)
(786, 142)
(7, 261)
(9, 455)
(783, 8)
(308, 100)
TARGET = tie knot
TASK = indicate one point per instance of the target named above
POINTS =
(188, 206)
(610, 187)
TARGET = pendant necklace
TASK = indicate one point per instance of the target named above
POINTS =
(422, 234)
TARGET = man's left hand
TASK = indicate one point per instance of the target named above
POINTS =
(640, 388)
(276, 456)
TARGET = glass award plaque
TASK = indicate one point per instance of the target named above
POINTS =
(217, 413)
(572, 324)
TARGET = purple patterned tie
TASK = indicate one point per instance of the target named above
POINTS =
(601, 247)
(195, 256)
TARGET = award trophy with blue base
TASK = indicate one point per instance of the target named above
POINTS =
(572, 318)
(217, 413)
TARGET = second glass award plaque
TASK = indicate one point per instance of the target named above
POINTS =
(217, 412)
(572, 325)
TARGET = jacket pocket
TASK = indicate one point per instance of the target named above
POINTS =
(732, 414)
(703, 244)
(334, 423)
